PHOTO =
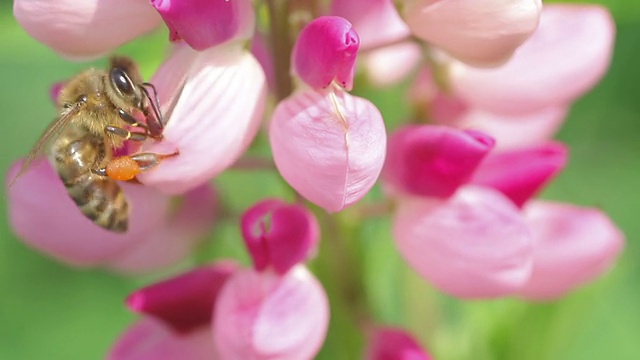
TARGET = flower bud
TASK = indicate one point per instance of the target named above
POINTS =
(279, 235)
(185, 302)
(433, 160)
(206, 23)
(267, 316)
(394, 344)
(79, 30)
(573, 245)
(520, 174)
(478, 32)
(566, 56)
(328, 146)
(473, 245)
(326, 51)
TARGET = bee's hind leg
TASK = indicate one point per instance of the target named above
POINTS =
(126, 168)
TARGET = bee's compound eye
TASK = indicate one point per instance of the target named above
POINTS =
(121, 81)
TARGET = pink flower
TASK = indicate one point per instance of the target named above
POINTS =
(472, 245)
(574, 245)
(44, 216)
(478, 32)
(433, 160)
(326, 51)
(206, 23)
(215, 99)
(389, 343)
(268, 316)
(278, 235)
(77, 29)
(328, 146)
(565, 57)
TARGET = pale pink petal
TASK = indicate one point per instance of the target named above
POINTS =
(479, 32)
(377, 21)
(265, 316)
(382, 66)
(206, 23)
(573, 245)
(389, 343)
(184, 302)
(326, 51)
(474, 245)
(44, 216)
(330, 147)
(175, 239)
(424, 89)
(279, 235)
(215, 118)
(88, 28)
(430, 160)
(520, 174)
(566, 56)
(149, 339)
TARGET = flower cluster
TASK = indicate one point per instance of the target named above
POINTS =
(490, 83)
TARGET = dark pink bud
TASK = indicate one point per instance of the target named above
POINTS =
(520, 174)
(184, 302)
(433, 160)
(394, 344)
(206, 23)
(279, 235)
(325, 51)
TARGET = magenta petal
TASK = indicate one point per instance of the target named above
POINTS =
(279, 235)
(573, 246)
(325, 51)
(330, 147)
(266, 316)
(473, 245)
(206, 23)
(566, 56)
(394, 344)
(184, 302)
(520, 174)
(150, 339)
(44, 216)
(433, 160)
(214, 119)
(86, 29)
(175, 239)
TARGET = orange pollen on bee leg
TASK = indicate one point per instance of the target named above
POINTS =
(123, 168)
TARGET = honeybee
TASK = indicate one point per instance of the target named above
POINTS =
(96, 109)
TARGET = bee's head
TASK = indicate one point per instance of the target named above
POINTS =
(124, 84)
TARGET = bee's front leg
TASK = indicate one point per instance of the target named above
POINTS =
(131, 120)
(126, 134)
(126, 168)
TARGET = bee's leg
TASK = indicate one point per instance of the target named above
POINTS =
(126, 168)
(131, 120)
(126, 134)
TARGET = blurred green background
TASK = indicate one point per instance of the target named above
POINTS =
(50, 311)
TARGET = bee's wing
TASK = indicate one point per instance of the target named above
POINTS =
(50, 132)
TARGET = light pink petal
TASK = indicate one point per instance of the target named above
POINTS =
(330, 147)
(214, 119)
(175, 239)
(573, 245)
(389, 343)
(185, 302)
(430, 160)
(149, 339)
(376, 21)
(265, 316)
(279, 235)
(44, 216)
(88, 28)
(479, 32)
(381, 66)
(326, 51)
(206, 23)
(474, 245)
(566, 56)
